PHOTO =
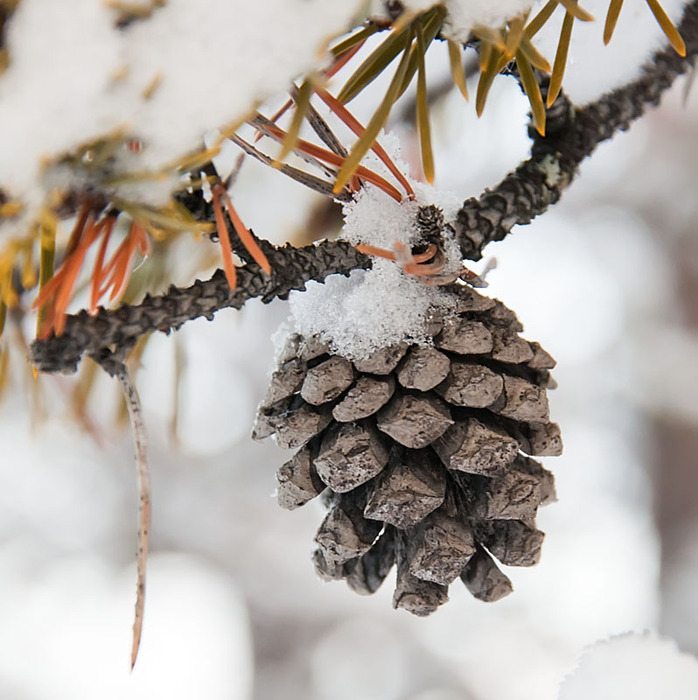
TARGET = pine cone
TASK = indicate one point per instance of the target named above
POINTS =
(419, 453)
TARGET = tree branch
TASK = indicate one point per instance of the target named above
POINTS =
(572, 135)
(109, 335)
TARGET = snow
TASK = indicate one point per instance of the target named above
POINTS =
(463, 15)
(74, 77)
(381, 306)
(641, 667)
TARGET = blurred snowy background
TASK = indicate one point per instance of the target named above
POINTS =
(607, 281)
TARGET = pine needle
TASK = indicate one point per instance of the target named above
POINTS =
(380, 117)
(668, 27)
(302, 100)
(572, 6)
(423, 126)
(224, 239)
(353, 123)
(430, 23)
(533, 55)
(135, 413)
(374, 64)
(530, 86)
(47, 242)
(457, 72)
(487, 76)
(563, 46)
(537, 23)
(354, 39)
(611, 19)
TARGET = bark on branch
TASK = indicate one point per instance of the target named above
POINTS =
(109, 335)
(572, 135)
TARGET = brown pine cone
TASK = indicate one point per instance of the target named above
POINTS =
(420, 453)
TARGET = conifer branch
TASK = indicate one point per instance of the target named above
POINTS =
(571, 136)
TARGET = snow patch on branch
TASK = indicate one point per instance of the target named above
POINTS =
(382, 306)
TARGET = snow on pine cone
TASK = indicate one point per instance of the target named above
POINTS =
(420, 453)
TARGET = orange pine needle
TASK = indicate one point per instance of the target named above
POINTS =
(245, 236)
(376, 252)
(412, 264)
(333, 159)
(336, 66)
(355, 125)
(59, 288)
(224, 239)
(98, 273)
(343, 59)
(123, 269)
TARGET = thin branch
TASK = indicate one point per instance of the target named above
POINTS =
(143, 472)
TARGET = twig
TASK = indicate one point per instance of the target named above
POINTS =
(139, 439)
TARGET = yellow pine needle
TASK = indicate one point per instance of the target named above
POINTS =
(47, 241)
(197, 160)
(302, 100)
(514, 35)
(668, 27)
(457, 72)
(171, 218)
(430, 23)
(353, 39)
(572, 6)
(537, 23)
(134, 177)
(423, 110)
(8, 296)
(365, 141)
(533, 55)
(563, 46)
(374, 64)
(485, 55)
(3, 316)
(229, 129)
(11, 209)
(611, 19)
(28, 270)
(4, 365)
(404, 19)
(487, 77)
(530, 86)
(491, 36)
